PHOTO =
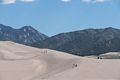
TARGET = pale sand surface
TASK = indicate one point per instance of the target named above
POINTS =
(19, 62)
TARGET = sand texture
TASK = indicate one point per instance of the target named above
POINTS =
(20, 62)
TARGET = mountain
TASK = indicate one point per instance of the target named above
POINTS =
(25, 35)
(84, 42)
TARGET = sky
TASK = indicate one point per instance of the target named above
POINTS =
(57, 16)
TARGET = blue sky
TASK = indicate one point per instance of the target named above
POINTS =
(56, 16)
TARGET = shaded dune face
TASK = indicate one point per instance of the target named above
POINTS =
(27, 63)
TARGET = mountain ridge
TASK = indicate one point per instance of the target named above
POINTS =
(84, 42)
(25, 35)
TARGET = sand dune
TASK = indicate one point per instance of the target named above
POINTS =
(110, 55)
(19, 62)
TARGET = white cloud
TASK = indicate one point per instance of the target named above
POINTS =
(27, 0)
(86, 0)
(95, 1)
(14, 1)
(100, 1)
(66, 0)
(8, 1)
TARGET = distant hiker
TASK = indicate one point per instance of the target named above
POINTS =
(45, 51)
(75, 65)
(99, 57)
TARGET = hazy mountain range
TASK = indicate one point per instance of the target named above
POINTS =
(82, 42)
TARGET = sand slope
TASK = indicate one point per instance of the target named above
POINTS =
(19, 62)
